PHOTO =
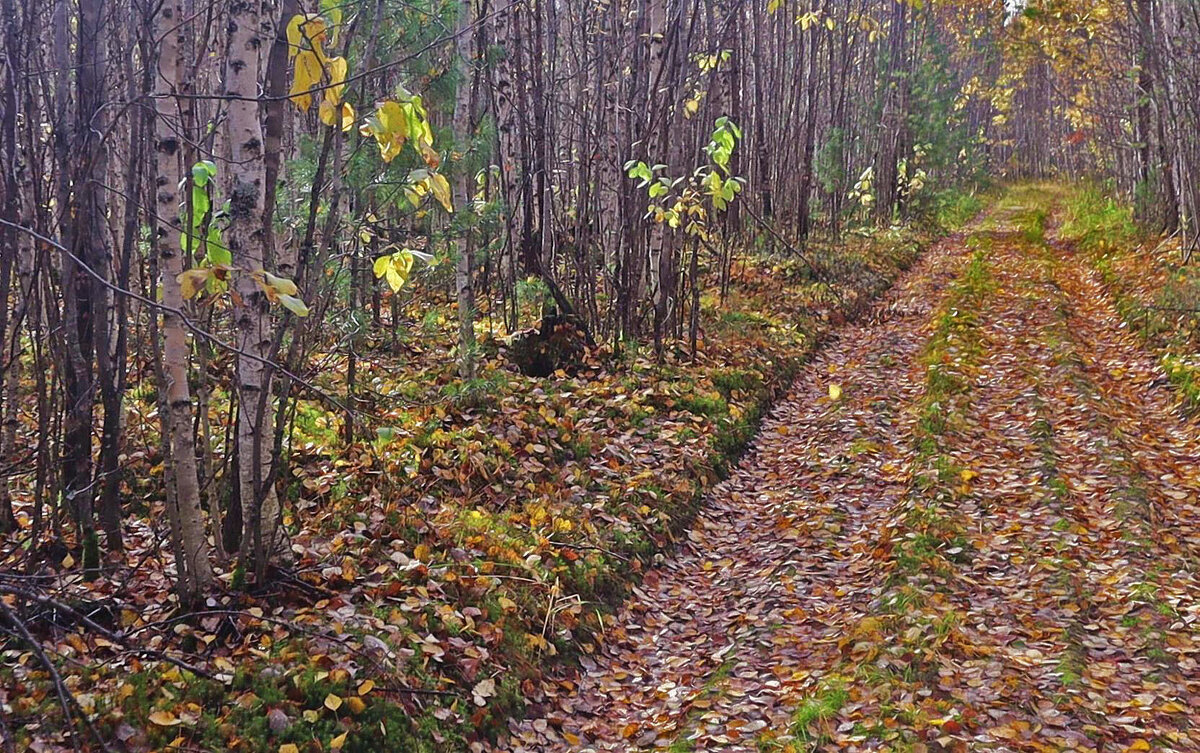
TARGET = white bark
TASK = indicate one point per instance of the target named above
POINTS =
(262, 543)
(461, 197)
(195, 571)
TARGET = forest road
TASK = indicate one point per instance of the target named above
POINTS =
(1029, 583)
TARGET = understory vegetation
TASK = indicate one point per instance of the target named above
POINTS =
(360, 361)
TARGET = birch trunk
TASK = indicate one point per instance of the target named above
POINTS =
(461, 196)
(194, 573)
(262, 544)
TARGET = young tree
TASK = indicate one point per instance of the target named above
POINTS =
(193, 570)
(262, 542)
(461, 191)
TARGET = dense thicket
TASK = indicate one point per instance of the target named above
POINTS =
(218, 202)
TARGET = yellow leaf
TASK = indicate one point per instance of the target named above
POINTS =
(306, 75)
(311, 715)
(339, 741)
(288, 748)
(381, 265)
(356, 705)
(338, 67)
(68, 562)
(294, 35)
(191, 282)
(366, 687)
(164, 719)
(328, 112)
(294, 305)
(1139, 745)
(333, 702)
(507, 604)
(440, 188)
(305, 32)
(282, 285)
(835, 392)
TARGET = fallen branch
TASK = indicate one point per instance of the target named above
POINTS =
(66, 698)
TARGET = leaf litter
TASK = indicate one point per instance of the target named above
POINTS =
(1022, 576)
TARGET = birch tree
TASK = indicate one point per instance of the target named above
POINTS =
(194, 572)
(261, 540)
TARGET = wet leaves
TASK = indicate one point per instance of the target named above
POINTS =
(987, 544)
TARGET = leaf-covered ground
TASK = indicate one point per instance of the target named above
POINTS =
(470, 538)
(971, 526)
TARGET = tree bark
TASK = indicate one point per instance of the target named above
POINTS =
(194, 573)
(262, 543)
(461, 195)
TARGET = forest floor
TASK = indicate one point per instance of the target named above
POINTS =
(971, 526)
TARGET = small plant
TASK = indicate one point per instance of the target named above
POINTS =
(686, 202)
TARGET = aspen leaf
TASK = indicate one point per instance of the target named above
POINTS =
(835, 392)
(366, 686)
(305, 32)
(288, 748)
(306, 75)
(338, 742)
(337, 68)
(282, 285)
(328, 113)
(333, 702)
(380, 266)
(483, 690)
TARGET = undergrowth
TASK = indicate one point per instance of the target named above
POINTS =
(1155, 287)
(476, 534)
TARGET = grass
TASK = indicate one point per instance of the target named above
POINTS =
(1156, 294)
(806, 730)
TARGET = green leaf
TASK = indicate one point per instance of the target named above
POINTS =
(294, 305)
(282, 285)
(202, 172)
(218, 253)
(200, 205)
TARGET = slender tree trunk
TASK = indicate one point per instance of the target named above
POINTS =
(461, 196)
(9, 242)
(194, 573)
(90, 256)
(262, 543)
